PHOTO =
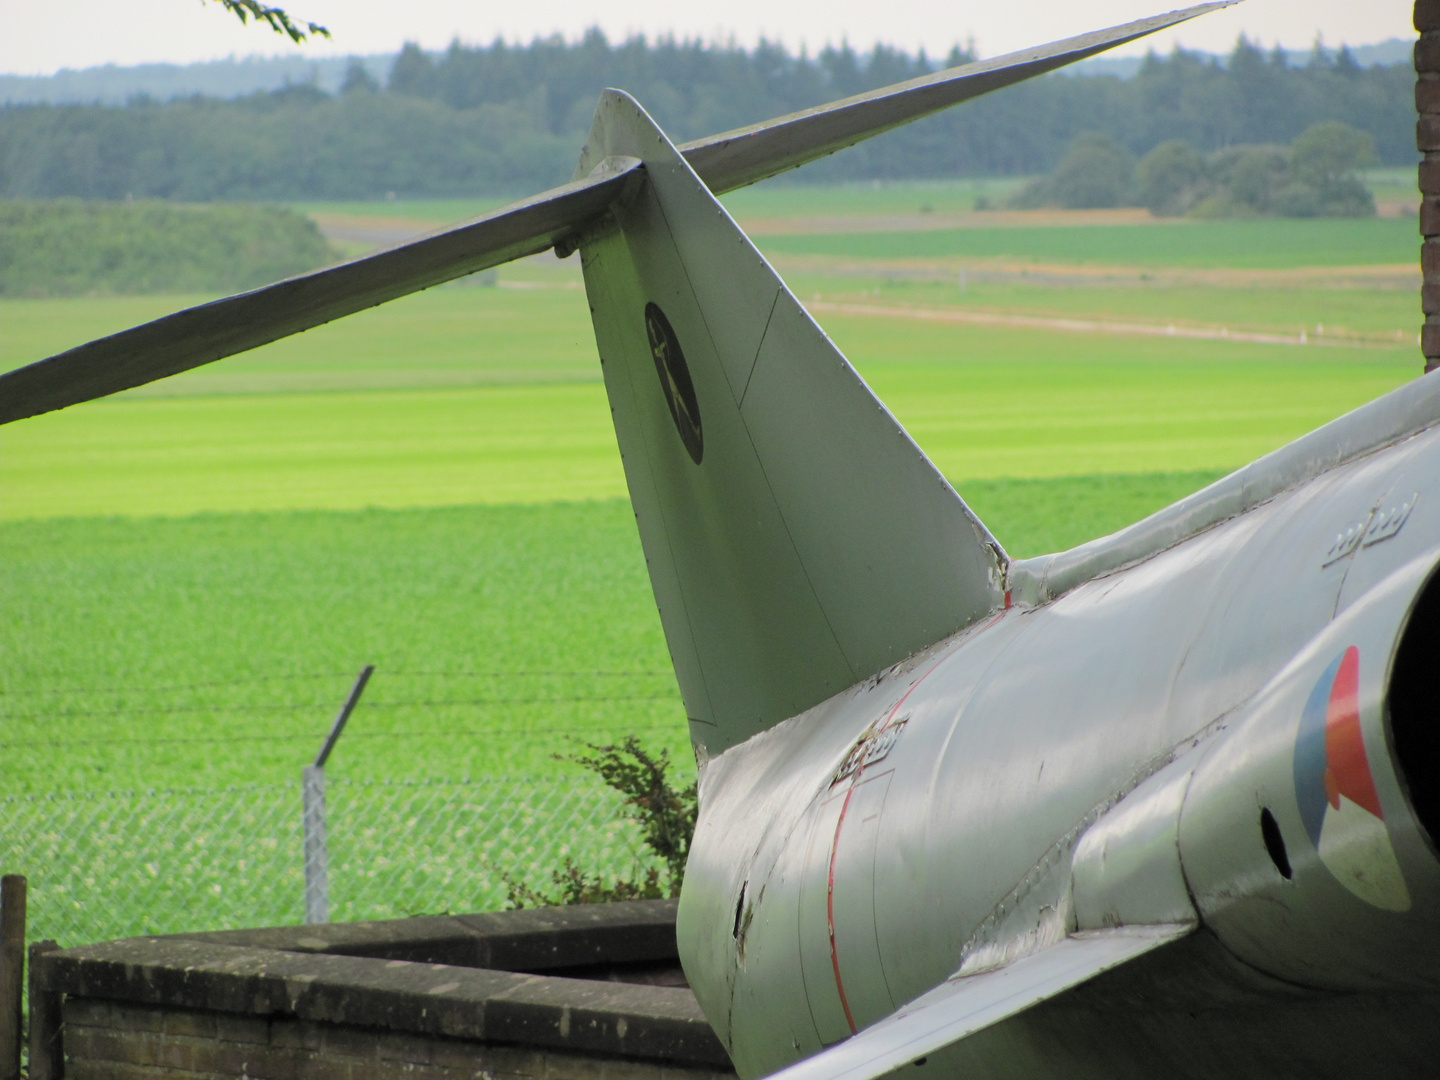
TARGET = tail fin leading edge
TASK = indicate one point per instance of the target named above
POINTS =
(797, 539)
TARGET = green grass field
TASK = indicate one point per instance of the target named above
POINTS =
(782, 197)
(776, 199)
(193, 571)
(1284, 307)
(1271, 244)
(217, 647)
(214, 649)
(208, 653)
(1392, 184)
(487, 396)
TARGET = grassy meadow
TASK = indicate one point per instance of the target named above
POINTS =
(777, 199)
(1268, 244)
(192, 572)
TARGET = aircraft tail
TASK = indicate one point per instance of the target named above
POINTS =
(798, 541)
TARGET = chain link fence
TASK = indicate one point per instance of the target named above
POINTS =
(104, 866)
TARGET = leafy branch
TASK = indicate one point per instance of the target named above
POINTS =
(665, 815)
(275, 18)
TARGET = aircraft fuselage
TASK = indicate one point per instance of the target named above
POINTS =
(966, 805)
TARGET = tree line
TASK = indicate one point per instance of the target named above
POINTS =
(506, 119)
(1315, 176)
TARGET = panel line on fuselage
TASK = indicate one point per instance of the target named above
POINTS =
(855, 781)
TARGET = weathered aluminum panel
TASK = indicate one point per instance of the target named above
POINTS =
(1410, 484)
(754, 580)
(928, 887)
(967, 1004)
(894, 556)
(839, 954)
(1126, 868)
(1189, 1011)
(1360, 906)
(1066, 720)
(740, 913)
(1019, 735)
(1276, 596)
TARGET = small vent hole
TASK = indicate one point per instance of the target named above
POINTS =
(1275, 843)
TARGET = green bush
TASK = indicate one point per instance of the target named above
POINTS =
(665, 814)
(1325, 159)
(71, 247)
(1315, 177)
(1171, 178)
(1095, 173)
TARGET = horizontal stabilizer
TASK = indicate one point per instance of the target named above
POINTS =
(748, 154)
(201, 335)
(210, 332)
(966, 1004)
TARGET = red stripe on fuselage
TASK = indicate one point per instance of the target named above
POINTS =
(830, 905)
(835, 841)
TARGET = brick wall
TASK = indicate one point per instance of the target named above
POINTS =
(1427, 140)
(544, 994)
(106, 1040)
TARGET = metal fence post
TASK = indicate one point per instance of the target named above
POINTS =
(317, 861)
(312, 812)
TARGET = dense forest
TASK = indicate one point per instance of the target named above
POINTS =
(503, 119)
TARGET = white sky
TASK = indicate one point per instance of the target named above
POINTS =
(43, 36)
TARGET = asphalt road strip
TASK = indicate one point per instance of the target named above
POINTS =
(1092, 326)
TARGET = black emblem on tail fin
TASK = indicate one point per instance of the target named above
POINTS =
(675, 380)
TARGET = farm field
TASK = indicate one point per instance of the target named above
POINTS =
(782, 199)
(467, 396)
(1270, 244)
(1381, 315)
(193, 571)
(214, 649)
(1390, 186)
(767, 200)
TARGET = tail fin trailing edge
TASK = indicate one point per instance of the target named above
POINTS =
(797, 539)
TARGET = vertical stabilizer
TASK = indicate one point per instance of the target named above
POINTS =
(797, 539)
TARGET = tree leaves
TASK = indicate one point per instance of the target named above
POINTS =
(275, 18)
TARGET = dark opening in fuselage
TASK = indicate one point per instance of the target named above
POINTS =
(1414, 708)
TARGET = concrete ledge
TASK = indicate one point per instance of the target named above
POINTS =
(281, 1001)
(539, 939)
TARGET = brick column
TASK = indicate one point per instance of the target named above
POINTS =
(1427, 140)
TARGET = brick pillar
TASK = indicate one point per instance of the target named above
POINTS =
(1427, 140)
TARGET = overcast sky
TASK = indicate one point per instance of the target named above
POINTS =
(43, 36)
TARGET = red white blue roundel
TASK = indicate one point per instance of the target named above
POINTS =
(1336, 791)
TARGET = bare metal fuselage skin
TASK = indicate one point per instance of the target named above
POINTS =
(954, 810)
